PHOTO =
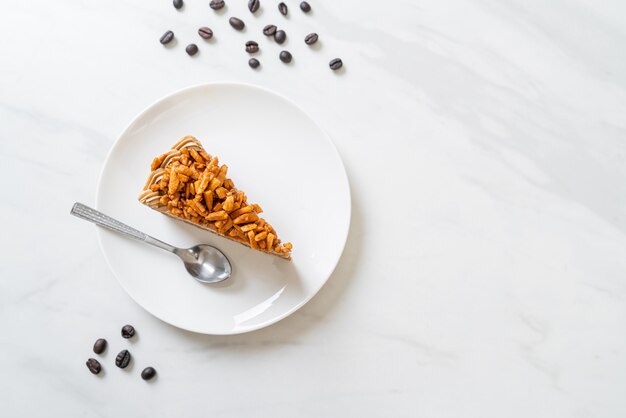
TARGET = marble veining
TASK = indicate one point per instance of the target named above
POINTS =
(484, 274)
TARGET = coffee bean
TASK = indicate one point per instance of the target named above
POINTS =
(148, 373)
(252, 47)
(335, 64)
(93, 365)
(310, 39)
(99, 346)
(285, 56)
(253, 5)
(128, 330)
(167, 37)
(178, 3)
(253, 62)
(269, 30)
(236, 23)
(280, 36)
(216, 4)
(282, 8)
(305, 7)
(122, 359)
(192, 49)
(205, 32)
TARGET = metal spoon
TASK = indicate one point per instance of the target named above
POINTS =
(205, 263)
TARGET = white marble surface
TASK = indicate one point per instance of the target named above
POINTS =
(485, 272)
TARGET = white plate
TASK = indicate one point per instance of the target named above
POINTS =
(275, 153)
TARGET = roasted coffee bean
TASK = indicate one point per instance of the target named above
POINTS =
(178, 3)
(192, 49)
(252, 47)
(253, 63)
(310, 39)
(216, 4)
(285, 56)
(335, 64)
(253, 5)
(305, 7)
(99, 346)
(280, 36)
(205, 32)
(167, 37)
(282, 8)
(93, 365)
(269, 30)
(128, 330)
(148, 373)
(236, 23)
(122, 359)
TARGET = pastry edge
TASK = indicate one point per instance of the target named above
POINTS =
(284, 256)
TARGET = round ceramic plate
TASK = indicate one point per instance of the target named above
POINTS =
(275, 153)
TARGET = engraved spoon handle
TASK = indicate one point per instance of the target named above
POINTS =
(85, 212)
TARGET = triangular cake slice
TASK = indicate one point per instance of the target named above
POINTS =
(189, 184)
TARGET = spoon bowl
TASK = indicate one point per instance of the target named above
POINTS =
(205, 263)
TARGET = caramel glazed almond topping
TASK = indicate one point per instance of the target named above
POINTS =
(189, 184)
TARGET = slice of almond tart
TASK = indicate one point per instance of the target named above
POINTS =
(189, 184)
